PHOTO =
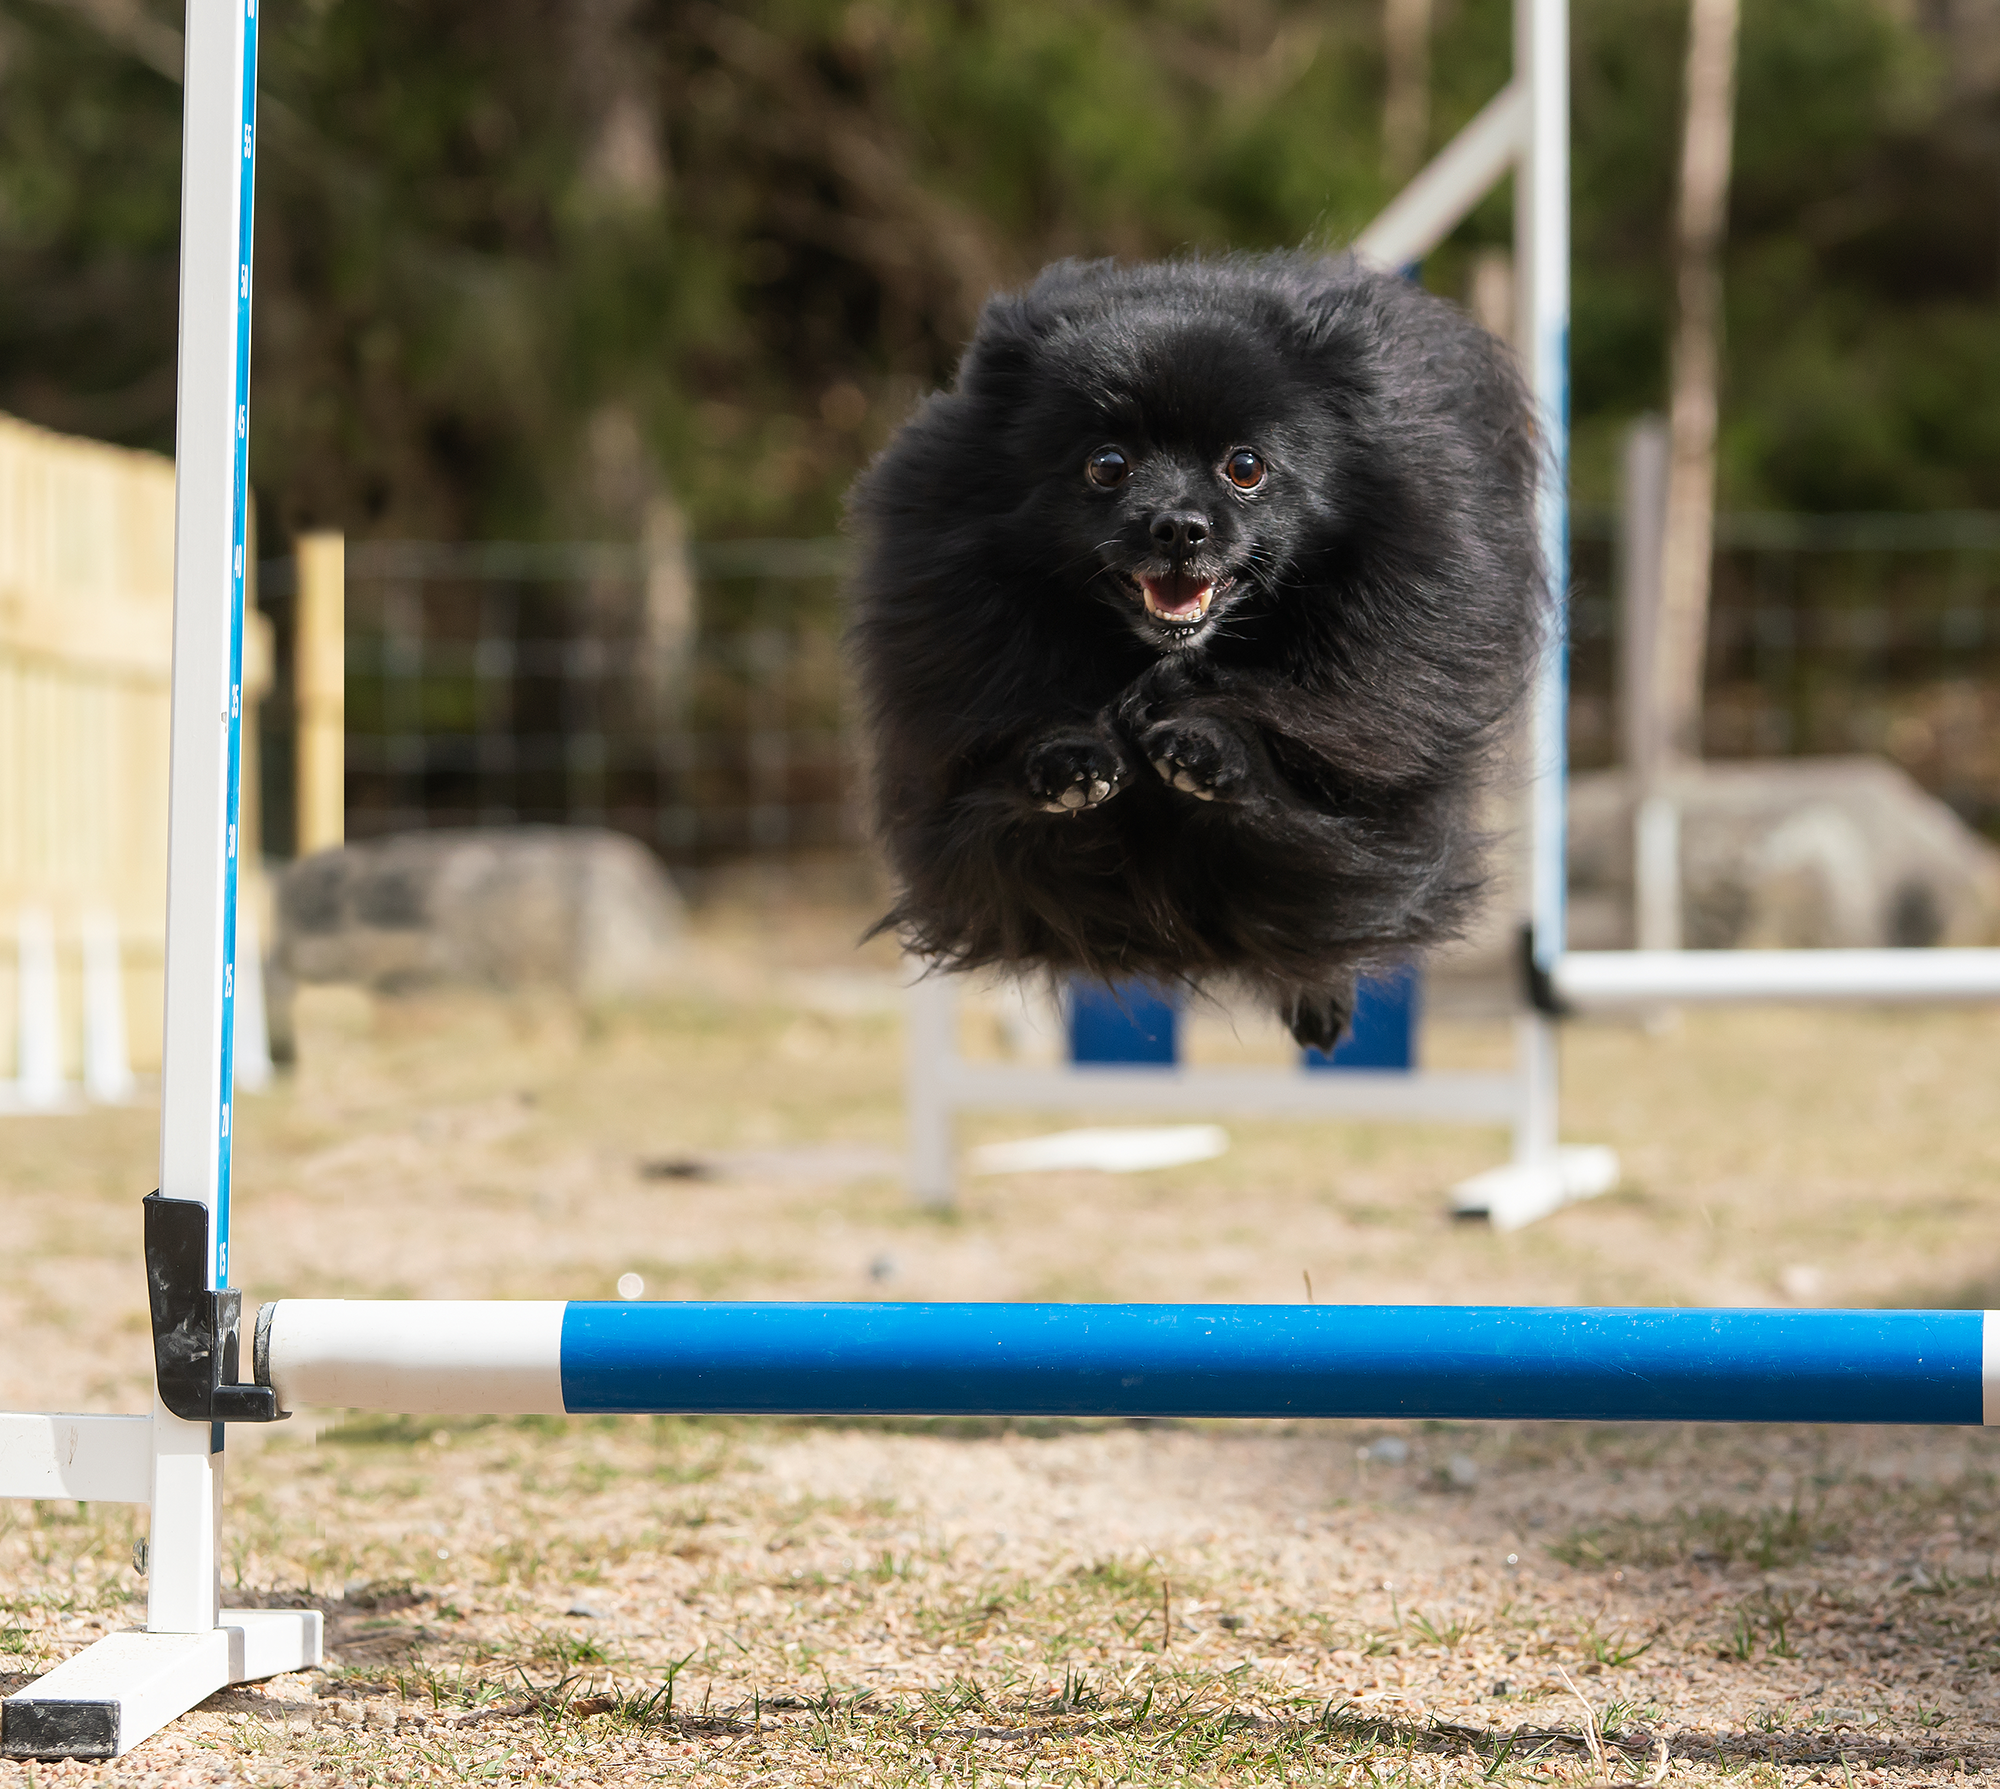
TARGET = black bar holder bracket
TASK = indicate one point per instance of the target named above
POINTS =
(196, 1327)
(1538, 984)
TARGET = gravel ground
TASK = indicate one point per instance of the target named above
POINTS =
(778, 1602)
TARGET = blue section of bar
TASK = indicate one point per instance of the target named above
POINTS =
(1131, 1022)
(1274, 1360)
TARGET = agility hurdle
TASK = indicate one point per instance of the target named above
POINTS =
(551, 1357)
(1523, 131)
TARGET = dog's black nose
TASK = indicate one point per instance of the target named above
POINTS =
(1180, 532)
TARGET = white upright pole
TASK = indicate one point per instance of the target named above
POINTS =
(211, 492)
(1541, 251)
(932, 1014)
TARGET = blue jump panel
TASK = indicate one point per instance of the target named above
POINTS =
(1131, 1022)
(1274, 1360)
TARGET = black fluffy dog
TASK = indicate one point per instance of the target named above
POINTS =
(1187, 623)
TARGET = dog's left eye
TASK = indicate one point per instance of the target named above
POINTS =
(1245, 469)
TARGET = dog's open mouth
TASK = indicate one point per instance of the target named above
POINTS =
(1179, 598)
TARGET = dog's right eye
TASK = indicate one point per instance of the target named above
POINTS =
(1108, 466)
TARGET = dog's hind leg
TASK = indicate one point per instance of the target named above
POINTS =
(1318, 1017)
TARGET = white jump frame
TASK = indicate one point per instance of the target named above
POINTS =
(1523, 130)
(111, 1695)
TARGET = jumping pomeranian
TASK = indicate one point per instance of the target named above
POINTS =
(1188, 622)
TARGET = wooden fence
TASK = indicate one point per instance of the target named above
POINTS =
(86, 639)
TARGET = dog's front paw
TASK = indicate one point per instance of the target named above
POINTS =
(1197, 757)
(1072, 772)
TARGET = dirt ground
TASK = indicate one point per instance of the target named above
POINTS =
(643, 1600)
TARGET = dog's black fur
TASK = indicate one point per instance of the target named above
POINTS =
(1275, 784)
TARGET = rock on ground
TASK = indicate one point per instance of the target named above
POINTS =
(1791, 853)
(584, 911)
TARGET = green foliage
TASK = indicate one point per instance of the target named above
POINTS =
(519, 272)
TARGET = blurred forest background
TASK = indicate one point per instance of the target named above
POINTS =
(524, 268)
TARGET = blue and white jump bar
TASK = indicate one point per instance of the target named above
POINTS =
(1373, 1361)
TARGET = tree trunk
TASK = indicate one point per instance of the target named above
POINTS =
(1700, 223)
(1406, 105)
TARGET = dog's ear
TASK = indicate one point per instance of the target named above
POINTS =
(1330, 295)
(997, 365)
(1013, 327)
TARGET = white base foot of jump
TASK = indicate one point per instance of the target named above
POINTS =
(1521, 1192)
(112, 1695)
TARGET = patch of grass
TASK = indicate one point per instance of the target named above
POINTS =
(1761, 1624)
(566, 1652)
(402, 1431)
(1450, 1632)
(1766, 1539)
(1611, 1650)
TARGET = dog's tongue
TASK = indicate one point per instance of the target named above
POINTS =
(1179, 596)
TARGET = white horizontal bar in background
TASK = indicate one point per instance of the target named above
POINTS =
(95, 1459)
(1272, 1093)
(1462, 173)
(1612, 978)
(419, 1358)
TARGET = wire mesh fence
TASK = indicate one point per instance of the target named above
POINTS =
(697, 701)
(694, 702)
(1827, 634)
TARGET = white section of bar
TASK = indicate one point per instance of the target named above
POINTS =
(1266, 1092)
(1989, 1368)
(1613, 978)
(419, 1357)
(1462, 173)
(130, 1685)
(198, 866)
(95, 1459)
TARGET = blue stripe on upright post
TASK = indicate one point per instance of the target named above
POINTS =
(239, 525)
(1126, 1022)
(1275, 1361)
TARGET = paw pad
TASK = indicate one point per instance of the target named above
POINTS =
(1177, 775)
(1081, 794)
